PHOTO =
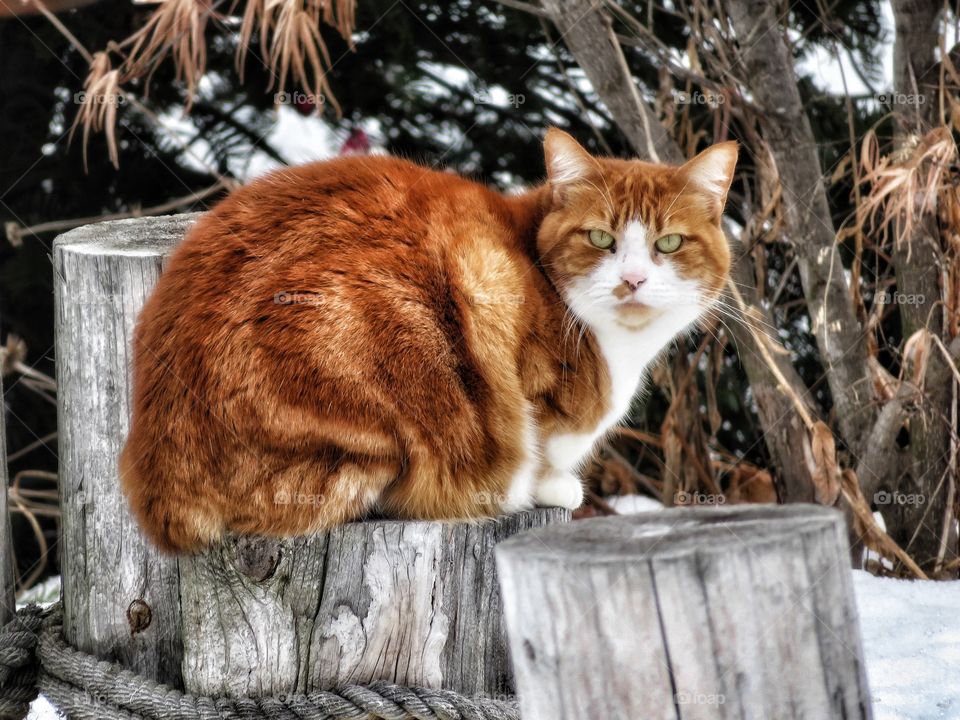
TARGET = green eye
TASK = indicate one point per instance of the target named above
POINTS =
(669, 243)
(601, 239)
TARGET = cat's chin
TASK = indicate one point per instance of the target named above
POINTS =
(635, 315)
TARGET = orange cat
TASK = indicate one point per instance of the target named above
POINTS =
(368, 335)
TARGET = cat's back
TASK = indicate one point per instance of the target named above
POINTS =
(343, 241)
(352, 202)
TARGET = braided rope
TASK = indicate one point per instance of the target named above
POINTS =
(35, 657)
(18, 663)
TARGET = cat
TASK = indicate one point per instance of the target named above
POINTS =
(366, 335)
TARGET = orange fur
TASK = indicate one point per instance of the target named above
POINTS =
(366, 334)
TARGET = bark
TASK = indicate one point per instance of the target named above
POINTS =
(768, 67)
(918, 527)
(586, 30)
(588, 33)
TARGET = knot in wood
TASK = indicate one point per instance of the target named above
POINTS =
(256, 557)
(139, 616)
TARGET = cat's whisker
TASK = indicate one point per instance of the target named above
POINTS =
(750, 321)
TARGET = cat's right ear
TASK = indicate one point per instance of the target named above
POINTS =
(567, 161)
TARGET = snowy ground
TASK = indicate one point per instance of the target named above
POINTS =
(911, 641)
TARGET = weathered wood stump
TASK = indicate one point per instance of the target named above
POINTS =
(416, 603)
(688, 613)
(407, 602)
(120, 595)
(7, 601)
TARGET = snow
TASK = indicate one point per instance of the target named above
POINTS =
(910, 630)
(911, 643)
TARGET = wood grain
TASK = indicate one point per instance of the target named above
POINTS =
(416, 603)
(120, 595)
(686, 614)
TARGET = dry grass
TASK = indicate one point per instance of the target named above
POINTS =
(291, 47)
(98, 105)
(176, 28)
(908, 184)
(291, 42)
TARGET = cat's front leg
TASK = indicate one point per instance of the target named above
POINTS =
(559, 489)
(559, 484)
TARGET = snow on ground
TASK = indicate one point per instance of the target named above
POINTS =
(910, 629)
(911, 642)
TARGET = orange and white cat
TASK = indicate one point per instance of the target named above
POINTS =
(366, 335)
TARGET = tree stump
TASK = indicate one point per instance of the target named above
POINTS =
(408, 602)
(120, 595)
(741, 612)
(415, 603)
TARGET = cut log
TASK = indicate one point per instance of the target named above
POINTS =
(415, 603)
(683, 614)
(120, 595)
(408, 602)
(7, 601)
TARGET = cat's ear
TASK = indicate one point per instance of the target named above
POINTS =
(711, 172)
(567, 161)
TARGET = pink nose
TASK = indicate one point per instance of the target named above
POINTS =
(634, 278)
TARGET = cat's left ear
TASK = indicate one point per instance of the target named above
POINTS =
(711, 172)
(567, 161)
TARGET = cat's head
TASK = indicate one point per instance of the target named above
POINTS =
(628, 242)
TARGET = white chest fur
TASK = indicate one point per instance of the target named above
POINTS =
(628, 354)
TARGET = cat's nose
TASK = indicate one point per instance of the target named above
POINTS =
(633, 278)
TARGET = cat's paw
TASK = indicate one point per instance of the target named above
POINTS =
(561, 490)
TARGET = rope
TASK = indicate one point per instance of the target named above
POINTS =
(34, 658)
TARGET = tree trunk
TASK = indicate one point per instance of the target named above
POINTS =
(683, 614)
(415, 603)
(925, 529)
(768, 70)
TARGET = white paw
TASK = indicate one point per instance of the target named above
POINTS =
(561, 490)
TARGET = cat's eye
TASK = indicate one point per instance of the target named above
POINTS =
(669, 243)
(601, 239)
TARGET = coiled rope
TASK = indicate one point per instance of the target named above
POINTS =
(34, 658)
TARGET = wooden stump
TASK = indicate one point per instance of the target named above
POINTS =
(413, 603)
(120, 595)
(8, 603)
(741, 612)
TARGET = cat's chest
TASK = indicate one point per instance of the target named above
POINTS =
(626, 363)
